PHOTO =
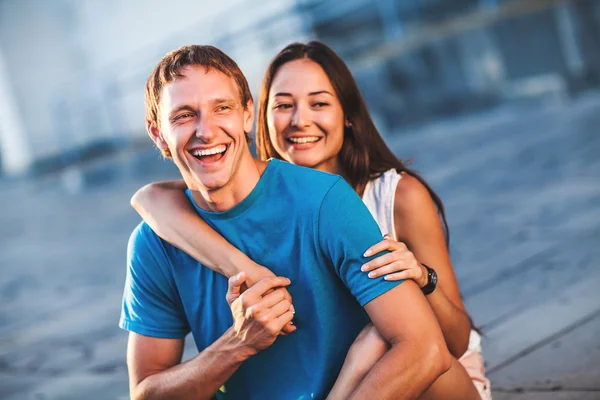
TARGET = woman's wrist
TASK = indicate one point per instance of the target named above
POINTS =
(236, 262)
(424, 279)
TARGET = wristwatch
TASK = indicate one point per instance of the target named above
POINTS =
(431, 281)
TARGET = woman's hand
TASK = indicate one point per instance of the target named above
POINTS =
(399, 263)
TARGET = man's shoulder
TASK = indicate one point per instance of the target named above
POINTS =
(144, 242)
(307, 181)
(143, 234)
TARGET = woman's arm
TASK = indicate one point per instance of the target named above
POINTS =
(165, 207)
(419, 227)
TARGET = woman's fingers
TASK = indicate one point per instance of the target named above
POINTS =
(390, 268)
(234, 288)
(289, 328)
(383, 260)
(400, 270)
(412, 273)
(385, 244)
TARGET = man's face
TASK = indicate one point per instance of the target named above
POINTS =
(203, 124)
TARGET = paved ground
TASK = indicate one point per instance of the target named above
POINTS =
(522, 189)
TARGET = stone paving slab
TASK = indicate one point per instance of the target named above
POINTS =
(534, 326)
(545, 395)
(570, 362)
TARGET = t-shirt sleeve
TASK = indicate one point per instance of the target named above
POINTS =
(151, 304)
(346, 229)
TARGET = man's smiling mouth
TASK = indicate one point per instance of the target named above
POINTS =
(210, 155)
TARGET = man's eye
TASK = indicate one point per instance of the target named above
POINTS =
(183, 116)
(223, 108)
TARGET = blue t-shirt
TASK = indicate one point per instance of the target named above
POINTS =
(303, 224)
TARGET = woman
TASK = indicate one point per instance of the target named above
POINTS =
(311, 113)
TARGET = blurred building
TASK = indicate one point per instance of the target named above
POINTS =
(72, 71)
(421, 59)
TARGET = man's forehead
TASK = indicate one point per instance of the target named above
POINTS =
(199, 84)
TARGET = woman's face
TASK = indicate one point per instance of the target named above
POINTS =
(304, 116)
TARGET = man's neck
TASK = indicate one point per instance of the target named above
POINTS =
(239, 187)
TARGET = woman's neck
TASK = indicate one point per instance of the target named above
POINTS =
(333, 166)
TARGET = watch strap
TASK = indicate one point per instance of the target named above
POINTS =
(431, 280)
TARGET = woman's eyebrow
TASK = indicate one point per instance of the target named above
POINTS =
(310, 94)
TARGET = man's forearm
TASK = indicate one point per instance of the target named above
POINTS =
(198, 378)
(402, 373)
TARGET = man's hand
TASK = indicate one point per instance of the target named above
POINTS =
(261, 312)
(252, 275)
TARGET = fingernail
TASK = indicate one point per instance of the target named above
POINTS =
(368, 253)
(292, 309)
(371, 274)
(288, 280)
(364, 268)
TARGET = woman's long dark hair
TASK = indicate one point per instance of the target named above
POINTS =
(364, 155)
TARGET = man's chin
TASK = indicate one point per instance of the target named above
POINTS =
(212, 183)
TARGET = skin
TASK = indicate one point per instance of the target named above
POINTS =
(303, 104)
(193, 120)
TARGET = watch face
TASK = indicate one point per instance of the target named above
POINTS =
(433, 278)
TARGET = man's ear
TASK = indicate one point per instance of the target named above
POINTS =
(157, 138)
(249, 117)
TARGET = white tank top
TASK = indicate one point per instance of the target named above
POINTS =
(379, 198)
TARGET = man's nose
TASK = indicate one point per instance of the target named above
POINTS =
(205, 130)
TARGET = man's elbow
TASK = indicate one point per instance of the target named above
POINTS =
(141, 391)
(439, 358)
(144, 390)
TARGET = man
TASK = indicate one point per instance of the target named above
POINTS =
(308, 226)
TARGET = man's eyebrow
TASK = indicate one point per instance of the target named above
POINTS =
(180, 108)
(222, 100)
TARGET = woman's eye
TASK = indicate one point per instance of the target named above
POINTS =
(320, 104)
(283, 106)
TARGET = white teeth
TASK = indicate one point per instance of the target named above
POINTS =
(207, 152)
(308, 139)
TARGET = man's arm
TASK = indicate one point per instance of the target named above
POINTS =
(155, 372)
(418, 354)
(259, 314)
(398, 309)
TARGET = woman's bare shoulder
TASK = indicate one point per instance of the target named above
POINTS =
(411, 196)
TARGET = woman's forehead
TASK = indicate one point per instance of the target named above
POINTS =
(300, 77)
